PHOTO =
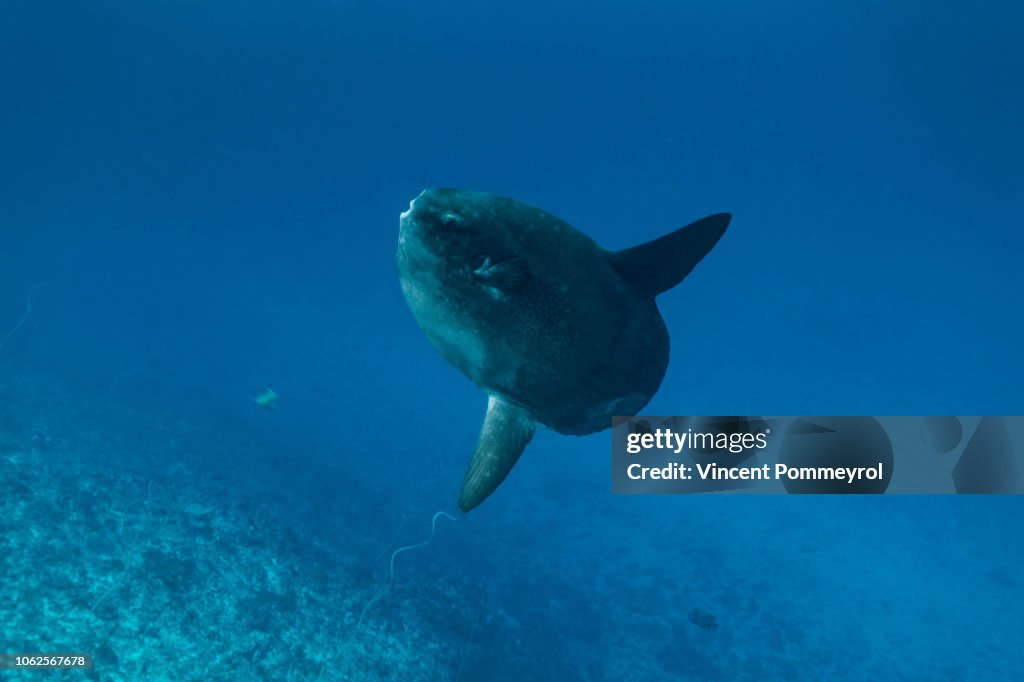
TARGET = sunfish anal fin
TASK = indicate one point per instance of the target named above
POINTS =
(506, 431)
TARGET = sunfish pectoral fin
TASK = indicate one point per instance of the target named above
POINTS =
(659, 265)
(507, 275)
(506, 431)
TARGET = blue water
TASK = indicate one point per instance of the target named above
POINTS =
(210, 192)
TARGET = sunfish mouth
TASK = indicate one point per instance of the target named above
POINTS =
(412, 205)
(406, 213)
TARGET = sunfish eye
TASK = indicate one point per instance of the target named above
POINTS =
(449, 219)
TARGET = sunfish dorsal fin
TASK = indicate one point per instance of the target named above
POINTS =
(659, 265)
(506, 431)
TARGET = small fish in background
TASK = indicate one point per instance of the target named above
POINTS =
(266, 399)
(703, 619)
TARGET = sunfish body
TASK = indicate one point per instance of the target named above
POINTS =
(557, 330)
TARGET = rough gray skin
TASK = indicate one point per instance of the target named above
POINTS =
(536, 314)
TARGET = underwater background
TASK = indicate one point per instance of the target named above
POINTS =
(208, 194)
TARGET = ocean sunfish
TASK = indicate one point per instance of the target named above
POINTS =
(557, 330)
